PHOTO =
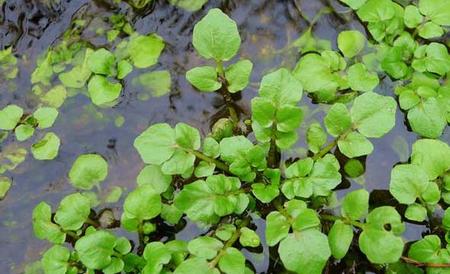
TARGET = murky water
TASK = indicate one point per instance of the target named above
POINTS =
(31, 26)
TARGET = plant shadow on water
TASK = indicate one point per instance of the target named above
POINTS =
(266, 27)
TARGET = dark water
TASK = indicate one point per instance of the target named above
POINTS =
(32, 26)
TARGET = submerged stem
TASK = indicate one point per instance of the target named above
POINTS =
(226, 94)
(210, 160)
(419, 264)
(273, 151)
(344, 220)
(326, 149)
(229, 243)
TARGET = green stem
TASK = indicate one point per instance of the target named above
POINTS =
(273, 151)
(326, 149)
(229, 243)
(277, 204)
(71, 234)
(210, 160)
(92, 222)
(226, 94)
(141, 235)
(344, 220)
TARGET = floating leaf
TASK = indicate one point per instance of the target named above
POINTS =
(10, 116)
(144, 50)
(351, 42)
(88, 170)
(102, 91)
(47, 148)
(45, 116)
(73, 211)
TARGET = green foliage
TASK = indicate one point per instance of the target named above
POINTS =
(87, 171)
(246, 177)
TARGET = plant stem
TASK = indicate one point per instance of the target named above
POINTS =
(417, 263)
(141, 236)
(273, 151)
(226, 94)
(71, 234)
(92, 222)
(203, 157)
(344, 220)
(325, 150)
(229, 243)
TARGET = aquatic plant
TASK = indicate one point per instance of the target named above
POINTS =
(229, 179)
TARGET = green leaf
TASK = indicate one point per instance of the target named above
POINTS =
(205, 247)
(408, 182)
(354, 168)
(446, 219)
(144, 51)
(204, 78)
(210, 147)
(43, 227)
(428, 250)
(360, 79)
(10, 116)
(56, 260)
(281, 87)
(263, 111)
(45, 116)
(171, 214)
(5, 185)
(305, 252)
(354, 145)
(156, 254)
(430, 30)
(412, 16)
(306, 218)
(432, 58)
(73, 211)
(95, 249)
(123, 69)
(380, 246)
(216, 36)
(249, 238)
(355, 204)
(340, 237)
(143, 203)
(316, 76)
(265, 193)
(180, 163)
(55, 97)
(408, 99)
(437, 11)
(315, 137)
(206, 201)
(238, 75)
(432, 156)
(232, 262)
(416, 212)
(351, 42)
(153, 176)
(338, 120)
(277, 228)
(47, 148)
(225, 231)
(102, 91)
(288, 118)
(373, 114)
(24, 132)
(187, 136)
(233, 147)
(87, 171)
(427, 119)
(102, 61)
(156, 144)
